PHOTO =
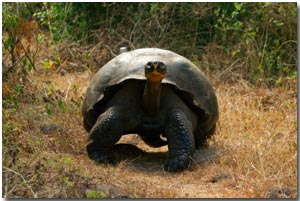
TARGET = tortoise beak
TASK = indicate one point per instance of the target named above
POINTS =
(155, 76)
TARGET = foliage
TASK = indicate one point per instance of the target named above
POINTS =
(9, 24)
(95, 194)
(255, 41)
(143, 23)
(268, 37)
(73, 20)
(20, 39)
(11, 97)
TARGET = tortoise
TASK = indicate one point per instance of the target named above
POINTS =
(159, 95)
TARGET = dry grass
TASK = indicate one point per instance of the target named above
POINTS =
(253, 154)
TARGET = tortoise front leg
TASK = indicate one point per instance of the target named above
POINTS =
(181, 145)
(105, 133)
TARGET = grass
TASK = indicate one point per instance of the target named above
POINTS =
(252, 155)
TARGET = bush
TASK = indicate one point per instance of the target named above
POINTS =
(266, 34)
(20, 39)
(254, 41)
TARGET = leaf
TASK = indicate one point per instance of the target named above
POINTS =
(25, 61)
(46, 64)
(8, 43)
(49, 64)
(64, 64)
(40, 38)
(61, 104)
(48, 108)
(52, 65)
(234, 52)
(279, 80)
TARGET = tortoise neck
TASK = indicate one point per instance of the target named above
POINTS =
(151, 97)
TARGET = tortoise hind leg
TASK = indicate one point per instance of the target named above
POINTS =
(105, 133)
(202, 136)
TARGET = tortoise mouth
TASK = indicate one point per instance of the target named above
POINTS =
(155, 76)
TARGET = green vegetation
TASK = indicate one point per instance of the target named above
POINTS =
(266, 36)
(95, 194)
(50, 51)
(255, 41)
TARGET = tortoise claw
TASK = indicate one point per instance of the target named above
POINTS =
(102, 157)
(177, 163)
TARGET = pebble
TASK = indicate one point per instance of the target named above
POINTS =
(50, 128)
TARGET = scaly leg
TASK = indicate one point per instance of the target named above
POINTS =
(179, 133)
(105, 133)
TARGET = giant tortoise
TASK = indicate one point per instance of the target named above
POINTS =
(156, 94)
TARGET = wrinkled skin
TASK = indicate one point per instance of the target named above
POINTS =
(124, 114)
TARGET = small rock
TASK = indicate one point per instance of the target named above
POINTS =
(219, 176)
(38, 118)
(50, 128)
(282, 192)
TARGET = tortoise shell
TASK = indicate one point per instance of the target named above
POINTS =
(188, 81)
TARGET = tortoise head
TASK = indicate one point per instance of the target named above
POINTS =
(155, 71)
